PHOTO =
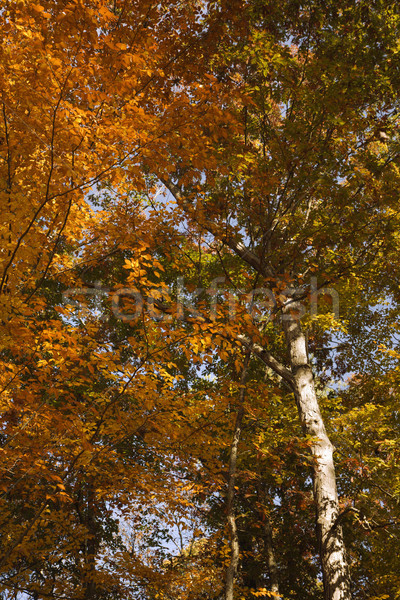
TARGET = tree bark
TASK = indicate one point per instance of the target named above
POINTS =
(230, 508)
(269, 549)
(268, 539)
(329, 531)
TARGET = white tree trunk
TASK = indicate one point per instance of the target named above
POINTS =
(332, 550)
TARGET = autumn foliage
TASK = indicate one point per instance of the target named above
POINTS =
(199, 300)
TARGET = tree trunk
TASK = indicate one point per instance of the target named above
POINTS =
(268, 540)
(91, 543)
(272, 566)
(230, 508)
(329, 531)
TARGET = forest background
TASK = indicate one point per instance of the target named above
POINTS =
(199, 300)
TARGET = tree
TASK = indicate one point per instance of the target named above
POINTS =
(75, 75)
(297, 182)
(265, 123)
